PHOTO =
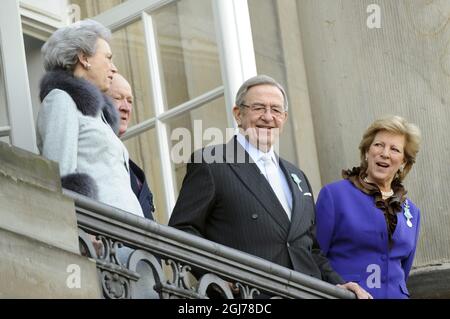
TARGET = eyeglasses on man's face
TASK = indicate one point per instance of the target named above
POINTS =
(261, 109)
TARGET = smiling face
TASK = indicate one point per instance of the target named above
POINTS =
(102, 68)
(384, 158)
(122, 96)
(262, 129)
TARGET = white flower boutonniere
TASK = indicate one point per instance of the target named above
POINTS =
(297, 181)
(407, 214)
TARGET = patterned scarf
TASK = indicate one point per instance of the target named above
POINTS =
(390, 206)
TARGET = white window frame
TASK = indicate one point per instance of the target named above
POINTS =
(237, 61)
(21, 128)
(235, 43)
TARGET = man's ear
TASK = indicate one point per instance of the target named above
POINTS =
(285, 117)
(237, 114)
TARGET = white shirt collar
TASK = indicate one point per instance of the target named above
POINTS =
(255, 153)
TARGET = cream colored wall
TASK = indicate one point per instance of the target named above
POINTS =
(356, 74)
(278, 51)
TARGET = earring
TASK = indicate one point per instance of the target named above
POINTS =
(402, 168)
(87, 66)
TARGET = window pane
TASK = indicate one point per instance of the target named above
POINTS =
(143, 150)
(270, 60)
(187, 49)
(208, 124)
(130, 58)
(35, 68)
(91, 8)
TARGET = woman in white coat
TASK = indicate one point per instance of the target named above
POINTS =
(77, 124)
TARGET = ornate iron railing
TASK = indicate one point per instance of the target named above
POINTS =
(139, 258)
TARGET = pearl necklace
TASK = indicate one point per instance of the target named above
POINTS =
(387, 194)
(383, 194)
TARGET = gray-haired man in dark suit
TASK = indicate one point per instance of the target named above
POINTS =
(249, 198)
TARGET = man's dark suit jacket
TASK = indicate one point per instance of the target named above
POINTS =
(143, 193)
(232, 203)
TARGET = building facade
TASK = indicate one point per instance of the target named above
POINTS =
(343, 64)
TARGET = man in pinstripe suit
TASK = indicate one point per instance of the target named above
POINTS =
(226, 195)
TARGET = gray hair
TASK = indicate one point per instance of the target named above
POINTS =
(62, 48)
(258, 80)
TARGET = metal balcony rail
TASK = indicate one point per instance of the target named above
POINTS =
(139, 258)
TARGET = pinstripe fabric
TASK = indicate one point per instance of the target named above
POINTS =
(232, 204)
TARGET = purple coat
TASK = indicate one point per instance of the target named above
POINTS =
(352, 233)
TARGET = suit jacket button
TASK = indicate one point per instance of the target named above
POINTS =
(288, 245)
(255, 216)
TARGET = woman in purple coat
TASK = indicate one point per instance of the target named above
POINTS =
(366, 225)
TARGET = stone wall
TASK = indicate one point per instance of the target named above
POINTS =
(38, 233)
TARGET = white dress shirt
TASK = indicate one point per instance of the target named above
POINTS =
(256, 155)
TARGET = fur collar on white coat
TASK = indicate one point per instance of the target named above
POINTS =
(89, 101)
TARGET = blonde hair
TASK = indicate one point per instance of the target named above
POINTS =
(397, 125)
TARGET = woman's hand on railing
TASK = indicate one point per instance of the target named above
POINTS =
(357, 290)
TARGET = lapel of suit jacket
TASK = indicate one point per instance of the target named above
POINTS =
(298, 202)
(134, 178)
(250, 175)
